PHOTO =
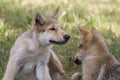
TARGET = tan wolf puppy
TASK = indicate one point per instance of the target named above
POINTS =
(32, 51)
(97, 62)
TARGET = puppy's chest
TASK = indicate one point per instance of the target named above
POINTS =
(30, 62)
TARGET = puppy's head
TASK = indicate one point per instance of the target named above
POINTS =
(90, 43)
(48, 30)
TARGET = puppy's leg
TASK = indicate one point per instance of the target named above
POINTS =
(86, 77)
(11, 70)
(54, 74)
(89, 70)
(76, 76)
(56, 64)
(101, 75)
(55, 67)
(42, 72)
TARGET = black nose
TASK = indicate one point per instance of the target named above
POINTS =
(77, 61)
(66, 37)
(70, 58)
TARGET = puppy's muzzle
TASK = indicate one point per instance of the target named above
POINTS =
(66, 38)
(76, 61)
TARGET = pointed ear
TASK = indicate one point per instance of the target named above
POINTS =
(54, 14)
(82, 30)
(97, 34)
(93, 30)
(38, 20)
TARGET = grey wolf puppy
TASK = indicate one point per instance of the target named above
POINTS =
(97, 62)
(32, 53)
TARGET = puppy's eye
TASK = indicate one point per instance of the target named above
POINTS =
(52, 29)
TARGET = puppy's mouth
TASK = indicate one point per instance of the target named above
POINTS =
(58, 42)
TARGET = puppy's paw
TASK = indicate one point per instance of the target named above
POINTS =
(62, 72)
(76, 76)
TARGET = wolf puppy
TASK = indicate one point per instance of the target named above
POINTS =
(32, 53)
(97, 62)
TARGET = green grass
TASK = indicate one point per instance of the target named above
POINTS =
(16, 16)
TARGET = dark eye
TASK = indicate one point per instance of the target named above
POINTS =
(80, 46)
(52, 29)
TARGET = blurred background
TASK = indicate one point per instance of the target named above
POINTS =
(16, 17)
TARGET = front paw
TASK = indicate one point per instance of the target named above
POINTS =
(76, 76)
(62, 72)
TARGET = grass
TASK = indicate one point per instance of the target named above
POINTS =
(16, 16)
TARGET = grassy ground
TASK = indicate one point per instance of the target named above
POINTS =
(16, 16)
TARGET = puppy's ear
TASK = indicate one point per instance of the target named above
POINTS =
(38, 20)
(95, 32)
(97, 35)
(86, 34)
(54, 14)
(82, 30)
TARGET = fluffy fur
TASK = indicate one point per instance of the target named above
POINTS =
(31, 56)
(97, 62)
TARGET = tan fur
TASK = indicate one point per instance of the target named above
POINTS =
(31, 56)
(97, 62)
(56, 63)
